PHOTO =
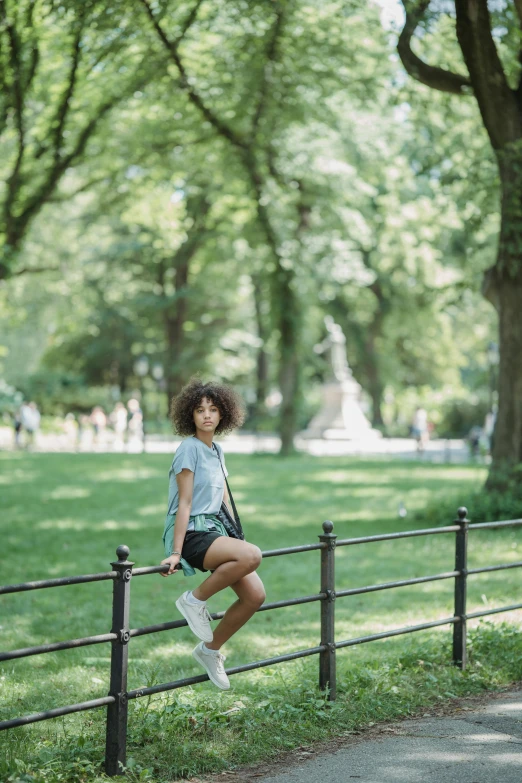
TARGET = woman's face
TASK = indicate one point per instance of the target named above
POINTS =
(206, 416)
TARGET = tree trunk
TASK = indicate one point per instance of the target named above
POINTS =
(288, 312)
(507, 447)
(376, 389)
(373, 367)
(262, 356)
(174, 333)
(503, 287)
(289, 369)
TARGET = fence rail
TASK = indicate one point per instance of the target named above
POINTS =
(121, 634)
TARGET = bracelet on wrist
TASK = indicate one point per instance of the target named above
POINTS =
(176, 553)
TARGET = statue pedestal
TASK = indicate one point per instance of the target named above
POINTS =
(341, 416)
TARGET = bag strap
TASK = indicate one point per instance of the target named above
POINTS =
(234, 509)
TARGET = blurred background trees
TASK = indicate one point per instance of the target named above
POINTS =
(195, 185)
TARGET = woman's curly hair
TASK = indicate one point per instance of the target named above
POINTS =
(226, 400)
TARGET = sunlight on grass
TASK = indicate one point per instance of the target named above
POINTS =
(129, 474)
(153, 510)
(167, 650)
(79, 510)
(348, 477)
(18, 477)
(69, 493)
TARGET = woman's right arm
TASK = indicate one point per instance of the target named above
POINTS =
(185, 482)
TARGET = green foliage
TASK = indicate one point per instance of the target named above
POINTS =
(103, 355)
(500, 500)
(10, 398)
(210, 222)
(459, 416)
(59, 393)
(63, 69)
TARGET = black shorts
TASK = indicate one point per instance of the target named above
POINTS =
(195, 547)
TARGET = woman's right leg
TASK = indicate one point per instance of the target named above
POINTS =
(230, 560)
(251, 595)
(233, 563)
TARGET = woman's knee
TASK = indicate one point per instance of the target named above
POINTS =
(260, 596)
(255, 600)
(251, 558)
(254, 596)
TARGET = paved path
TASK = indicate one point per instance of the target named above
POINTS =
(442, 451)
(477, 744)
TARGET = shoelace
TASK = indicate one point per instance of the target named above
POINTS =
(220, 659)
(205, 614)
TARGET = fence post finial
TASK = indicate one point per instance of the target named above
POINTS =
(122, 552)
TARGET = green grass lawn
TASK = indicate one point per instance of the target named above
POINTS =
(66, 514)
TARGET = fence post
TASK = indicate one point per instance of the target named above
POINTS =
(116, 737)
(461, 564)
(327, 675)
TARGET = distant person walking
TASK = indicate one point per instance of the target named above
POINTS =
(17, 426)
(118, 419)
(98, 421)
(474, 438)
(195, 535)
(489, 429)
(71, 429)
(135, 422)
(419, 428)
(30, 420)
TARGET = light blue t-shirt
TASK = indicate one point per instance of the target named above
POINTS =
(209, 481)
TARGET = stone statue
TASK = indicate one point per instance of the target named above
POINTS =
(335, 345)
(341, 416)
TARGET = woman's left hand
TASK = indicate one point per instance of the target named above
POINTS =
(173, 563)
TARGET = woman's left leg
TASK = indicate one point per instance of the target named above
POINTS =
(251, 595)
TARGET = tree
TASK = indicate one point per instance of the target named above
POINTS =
(246, 142)
(63, 68)
(489, 42)
(284, 66)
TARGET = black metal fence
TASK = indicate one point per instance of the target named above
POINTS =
(121, 634)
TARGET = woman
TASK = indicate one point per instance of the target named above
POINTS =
(194, 537)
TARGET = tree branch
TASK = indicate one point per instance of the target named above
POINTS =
(35, 51)
(113, 47)
(6, 105)
(271, 55)
(518, 6)
(65, 102)
(497, 102)
(189, 21)
(172, 49)
(13, 181)
(33, 65)
(246, 149)
(58, 199)
(43, 194)
(35, 270)
(430, 75)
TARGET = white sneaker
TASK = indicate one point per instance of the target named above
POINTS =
(197, 617)
(212, 662)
